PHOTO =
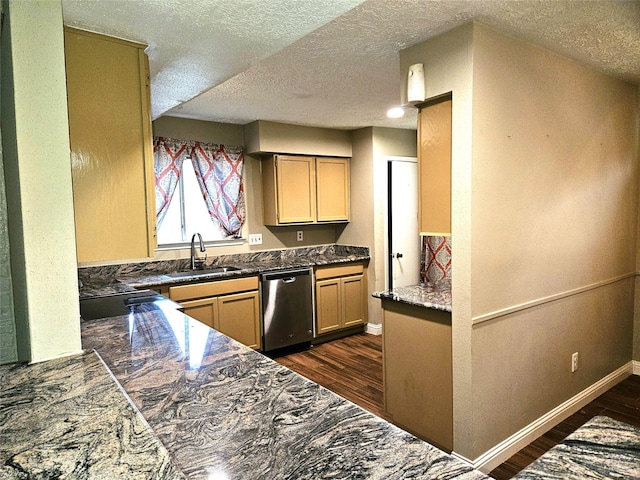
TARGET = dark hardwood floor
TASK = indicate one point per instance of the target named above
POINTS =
(352, 368)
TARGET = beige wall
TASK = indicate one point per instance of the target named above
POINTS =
(272, 237)
(38, 172)
(555, 174)
(187, 129)
(448, 68)
(371, 147)
(361, 229)
(387, 142)
(544, 202)
(554, 195)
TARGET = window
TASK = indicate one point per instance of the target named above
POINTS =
(198, 189)
(187, 213)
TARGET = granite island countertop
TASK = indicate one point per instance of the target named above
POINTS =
(221, 408)
(68, 418)
(435, 295)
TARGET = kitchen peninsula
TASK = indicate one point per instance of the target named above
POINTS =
(221, 408)
(417, 363)
(204, 405)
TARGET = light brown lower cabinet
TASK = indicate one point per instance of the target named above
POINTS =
(205, 310)
(417, 371)
(340, 298)
(239, 318)
(230, 306)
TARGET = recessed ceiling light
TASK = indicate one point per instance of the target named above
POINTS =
(395, 112)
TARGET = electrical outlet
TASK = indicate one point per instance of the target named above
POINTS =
(574, 362)
(255, 239)
(299, 235)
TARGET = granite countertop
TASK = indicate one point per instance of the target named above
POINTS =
(601, 448)
(68, 418)
(109, 280)
(223, 409)
(435, 295)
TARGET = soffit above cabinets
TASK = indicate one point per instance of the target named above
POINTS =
(262, 137)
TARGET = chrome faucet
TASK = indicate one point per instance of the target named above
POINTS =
(195, 261)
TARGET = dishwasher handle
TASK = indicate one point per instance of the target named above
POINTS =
(287, 276)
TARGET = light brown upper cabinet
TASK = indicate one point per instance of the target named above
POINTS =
(111, 147)
(300, 190)
(332, 189)
(434, 167)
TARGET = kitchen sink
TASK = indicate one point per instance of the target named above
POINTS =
(208, 271)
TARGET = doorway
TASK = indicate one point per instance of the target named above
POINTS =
(403, 241)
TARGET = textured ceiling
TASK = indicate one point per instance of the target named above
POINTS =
(332, 63)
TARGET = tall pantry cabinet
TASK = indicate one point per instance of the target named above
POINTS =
(111, 147)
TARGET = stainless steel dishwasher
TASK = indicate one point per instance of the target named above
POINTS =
(287, 308)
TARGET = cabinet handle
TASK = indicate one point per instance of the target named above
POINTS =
(396, 255)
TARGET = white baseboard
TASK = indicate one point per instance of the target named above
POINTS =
(374, 329)
(505, 449)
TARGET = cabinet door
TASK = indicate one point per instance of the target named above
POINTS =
(332, 186)
(239, 318)
(111, 147)
(296, 189)
(328, 305)
(353, 301)
(434, 168)
(204, 310)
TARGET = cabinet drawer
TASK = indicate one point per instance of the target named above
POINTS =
(212, 289)
(339, 271)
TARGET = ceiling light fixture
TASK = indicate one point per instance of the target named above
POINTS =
(395, 112)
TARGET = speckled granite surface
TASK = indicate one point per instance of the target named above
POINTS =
(110, 279)
(222, 408)
(67, 418)
(436, 295)
(602, 448)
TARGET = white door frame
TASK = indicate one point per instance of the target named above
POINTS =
(389, 159)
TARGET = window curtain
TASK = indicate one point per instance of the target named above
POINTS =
(219, 173)
(168, 156)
